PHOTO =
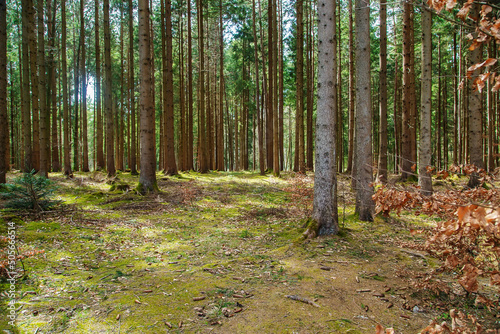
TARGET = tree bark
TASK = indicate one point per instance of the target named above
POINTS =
(83, 73)
(147, 178)
(325, 180)
(408, 105)
(4, 125)
(108, 103)
(170, 166)
(382, 153)
(25, 93)
(425, 152)
(363, 147)
(352, 95)
(475, 140)
(66, 124)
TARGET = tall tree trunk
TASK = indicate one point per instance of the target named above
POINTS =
(190, 118)
(168, 91)
(270, 88)
(352, 95)
(202, 137)
(108, 103)
(408, 105)
(382, 153)
(4, 125)
(299, 149)
(220, 123)
(491, 117)
(475, 139)
(147, 178)
(262, 167)
(455, 100)
(120, 125)
(182, 155)
(310, 89)
(52, 103)
(425, 151)
(276, 157)
(363, 148)
(131, 87)
(83, 73)
(99, 128)
(66, 124)
(281, 90)
(42, 83)
(25, 93)
(76, 109)
(325, 179)
(35, 106)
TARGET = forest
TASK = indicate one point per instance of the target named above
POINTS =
(240, 166)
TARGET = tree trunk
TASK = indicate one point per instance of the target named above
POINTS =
(42, 83)
(310, 89)
(475, 139)
(170, 166)
(147, 178)
(363, 148)
(4, 125)
(190, 118)
(131, 87)
(425, 152)
(325, 180)
(299, 149)
(83, 73)
(99, 131)
(108, 103)
(382, 153)
(220, 123)
(408, 105)
(25, 93)
(350, 151)
(66, 124)
(52, 95)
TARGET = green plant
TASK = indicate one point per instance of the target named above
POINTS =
(29, 192)
(245, 234)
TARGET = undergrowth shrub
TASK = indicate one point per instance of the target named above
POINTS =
(29, 192)
(467, 240)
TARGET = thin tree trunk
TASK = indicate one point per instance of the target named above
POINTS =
(170, 166)
(190, 118)
(407, 121)
(42, 83)
(382, 153)
(363, 151)
(131, 87)
(52, 104)
(35, 106)
(474, 133)
(147, 178)
(350, 151)
(98, 121)
(108, 103)
(4, 125)
(310, 89)
(220, 136)
(83, 73)
(425, 151)
(67, 148)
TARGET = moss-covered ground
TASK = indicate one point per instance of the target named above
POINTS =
(210, 253)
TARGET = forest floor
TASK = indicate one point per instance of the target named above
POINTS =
(216, 253)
